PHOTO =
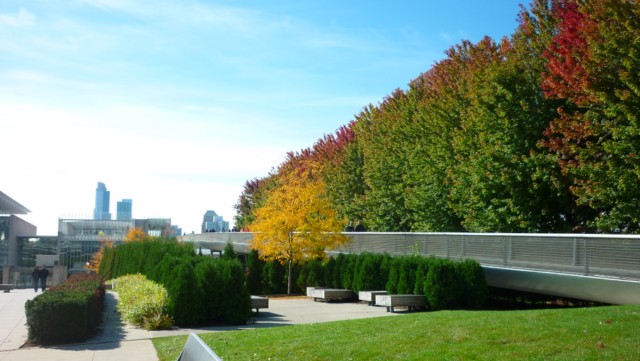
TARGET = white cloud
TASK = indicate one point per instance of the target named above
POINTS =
(22, 18)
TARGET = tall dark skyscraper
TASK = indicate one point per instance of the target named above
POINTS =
(101, 212)
(124, 210)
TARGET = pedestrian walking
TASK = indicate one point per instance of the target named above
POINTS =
(44, 273)
(35, 275)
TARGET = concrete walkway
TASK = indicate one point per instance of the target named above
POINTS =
(115, 340)
(118, 341)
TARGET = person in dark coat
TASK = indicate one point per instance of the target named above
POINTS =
(360, 227)
(349, 227)
(35, 275)
(44, 273)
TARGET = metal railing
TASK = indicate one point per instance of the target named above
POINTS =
(586, 254)
(608, 255)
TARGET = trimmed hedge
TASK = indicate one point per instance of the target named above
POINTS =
(67, 313)
(446, 284)
(254, 273)
(202, 290)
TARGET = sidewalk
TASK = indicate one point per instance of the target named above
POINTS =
(118, 341)
(115, 340)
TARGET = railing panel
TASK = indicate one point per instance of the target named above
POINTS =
(588, 254)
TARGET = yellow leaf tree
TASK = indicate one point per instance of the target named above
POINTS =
(96, 259)
(135, 235)
(296, 222)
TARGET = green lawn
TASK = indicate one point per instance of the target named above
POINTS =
(558, 334)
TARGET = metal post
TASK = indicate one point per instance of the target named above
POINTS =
(586, 257)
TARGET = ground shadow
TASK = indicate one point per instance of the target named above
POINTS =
(110, 333)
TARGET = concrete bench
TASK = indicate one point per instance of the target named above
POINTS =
(370, 296)
(312, 290)
(258, 302)
(330, 294)
(196, 350)
(412, 302)
(6, 287)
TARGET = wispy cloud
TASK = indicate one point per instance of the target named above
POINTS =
(22, 18)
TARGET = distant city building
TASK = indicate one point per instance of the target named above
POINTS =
(101, 212)
(11, 228)
(75, 244)
(124, 210)
(79, 239)
(212, 222)
(175, 231)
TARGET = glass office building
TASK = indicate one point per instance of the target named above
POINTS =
(80, 239)
(212, 222)
(101, 211)
(124, 210)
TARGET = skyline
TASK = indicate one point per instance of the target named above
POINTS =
(177, 106)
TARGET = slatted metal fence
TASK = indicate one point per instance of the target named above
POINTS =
(586, 254)
(607, 255)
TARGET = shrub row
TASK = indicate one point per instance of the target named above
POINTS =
(201, 290)
(142, 302)
(70, 312)
(446, 284)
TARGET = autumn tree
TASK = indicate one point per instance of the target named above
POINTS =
(252, 197)
(593, 67)
(135, 235)
(296, 221)
(96, 259)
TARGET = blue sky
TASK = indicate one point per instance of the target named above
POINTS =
(176, 104)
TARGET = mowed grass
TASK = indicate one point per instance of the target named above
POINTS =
(595, 333)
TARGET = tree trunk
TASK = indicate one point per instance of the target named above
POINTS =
(289, 280)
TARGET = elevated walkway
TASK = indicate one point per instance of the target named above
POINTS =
(593, 267)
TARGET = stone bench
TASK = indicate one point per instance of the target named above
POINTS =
(412, 302)
(196, 350)
(329, 294)
(370, 296)
(258, 302)
(6, 287)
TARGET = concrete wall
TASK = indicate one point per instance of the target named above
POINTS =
(18, 228)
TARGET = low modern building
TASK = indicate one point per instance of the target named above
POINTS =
(75, 244)
(12, 228)
(80, 239)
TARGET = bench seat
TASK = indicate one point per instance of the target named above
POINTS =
(6, 287)
(259, 302)
(412, 302)
(370, 296)
(330, 294)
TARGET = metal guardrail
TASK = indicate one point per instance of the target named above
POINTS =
(585, 254)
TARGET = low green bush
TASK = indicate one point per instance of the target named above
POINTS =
(254, 273)
(311, 275)
(67, 313)
(443, 286)
(142, 302)
(371, 274)
(475, 290)
(273, 278)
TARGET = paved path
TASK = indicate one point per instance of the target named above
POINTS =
(118, 341)
(287, 311)
(115, 341)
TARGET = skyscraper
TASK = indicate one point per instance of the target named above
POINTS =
(124, 210)
(101, 212)
(212, 222)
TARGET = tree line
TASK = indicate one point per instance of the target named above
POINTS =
(536, 132)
